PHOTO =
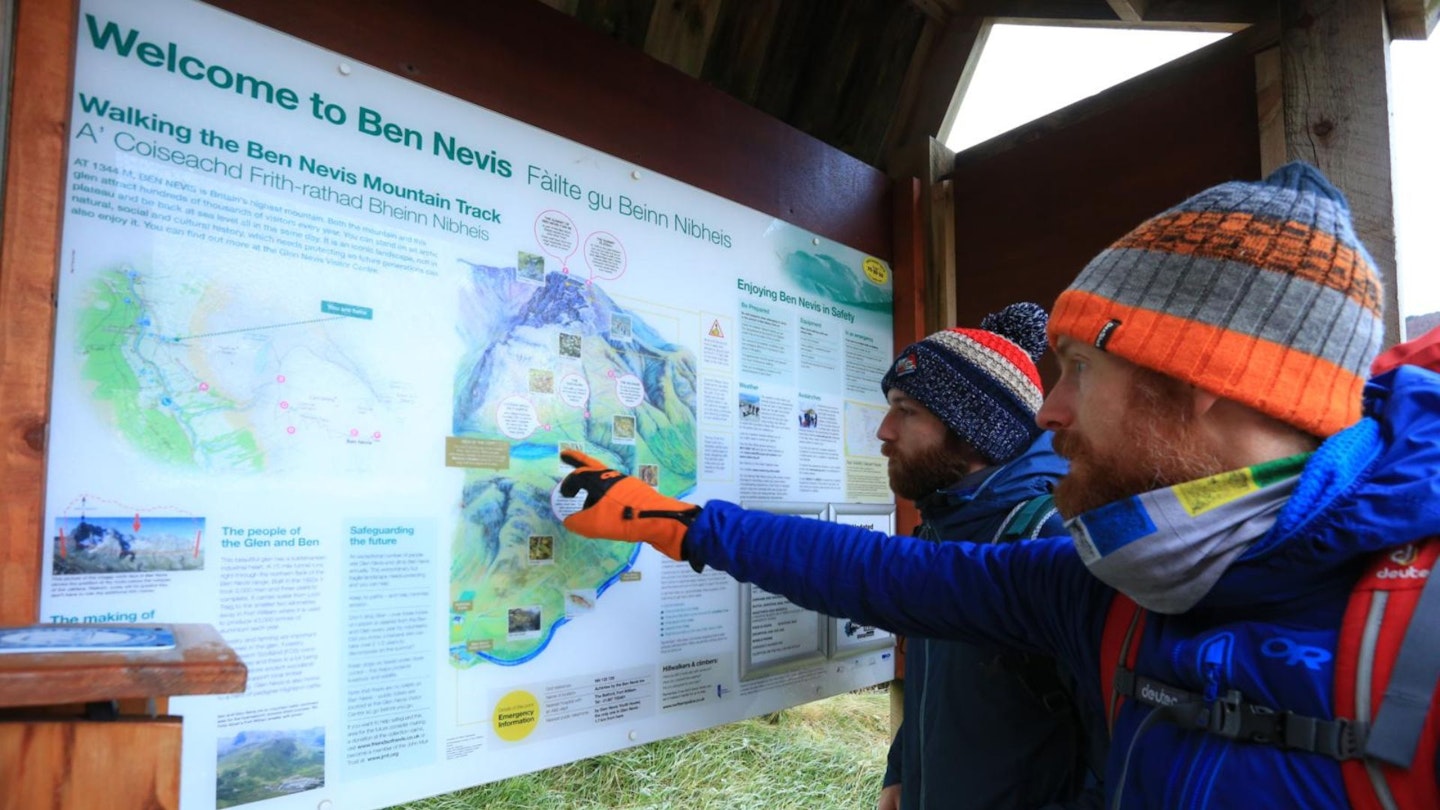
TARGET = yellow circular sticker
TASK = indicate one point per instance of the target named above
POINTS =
(875, 270)
(516, 715)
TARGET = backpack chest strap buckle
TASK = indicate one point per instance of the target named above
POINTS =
(1233, 718)
(1339, 739)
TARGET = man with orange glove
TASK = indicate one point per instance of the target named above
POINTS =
(983, 729)
(1232, 474)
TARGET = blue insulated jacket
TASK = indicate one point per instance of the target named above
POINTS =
(982, 728)
(1268, 628)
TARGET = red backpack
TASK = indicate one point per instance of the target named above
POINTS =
(1387, 664)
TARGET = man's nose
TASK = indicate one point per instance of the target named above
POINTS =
(886, 431)
(1056, 411)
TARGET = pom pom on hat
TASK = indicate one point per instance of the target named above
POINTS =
(1022, 324)
(1257, 292)
(982, 383)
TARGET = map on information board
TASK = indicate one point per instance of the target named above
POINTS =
(553, 362)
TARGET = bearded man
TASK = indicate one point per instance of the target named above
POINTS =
(1232, 474)
(981, 728)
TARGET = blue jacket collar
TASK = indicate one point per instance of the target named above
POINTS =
(998, 488)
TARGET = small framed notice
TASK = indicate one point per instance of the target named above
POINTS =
(848, 637)
(777, 635)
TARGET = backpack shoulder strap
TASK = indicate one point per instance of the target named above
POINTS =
(1387, 667)
(1026, 519)
(1119, 647)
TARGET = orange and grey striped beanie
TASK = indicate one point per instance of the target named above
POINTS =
(1256, 292)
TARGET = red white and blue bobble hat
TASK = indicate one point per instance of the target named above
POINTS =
(982, 383)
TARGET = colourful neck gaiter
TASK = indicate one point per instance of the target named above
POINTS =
(1166, 548)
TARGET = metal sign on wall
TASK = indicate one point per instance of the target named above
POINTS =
(322, 335)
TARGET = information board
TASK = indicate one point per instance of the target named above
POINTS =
(322, 335)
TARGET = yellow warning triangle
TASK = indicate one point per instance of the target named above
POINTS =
(715, 329)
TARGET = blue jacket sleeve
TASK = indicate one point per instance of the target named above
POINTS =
(1034, 596)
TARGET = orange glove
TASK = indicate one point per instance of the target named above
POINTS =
(618, 507)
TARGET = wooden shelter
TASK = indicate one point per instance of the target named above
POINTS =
(817, 112)
(876, 78)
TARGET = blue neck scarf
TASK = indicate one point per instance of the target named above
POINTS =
(1166, 548)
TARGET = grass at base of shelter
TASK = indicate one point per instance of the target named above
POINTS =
(828, 754)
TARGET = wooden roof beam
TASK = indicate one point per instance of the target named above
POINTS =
(938, 76)
(1412, 19)
(1206, 15)
(567, 7)
(679, 33)
(938, 10)
(1130, 11)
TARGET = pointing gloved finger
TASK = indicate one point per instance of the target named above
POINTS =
(570, 486)
(590, 474)
(580, 461)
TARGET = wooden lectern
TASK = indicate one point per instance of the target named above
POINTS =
(84, 730)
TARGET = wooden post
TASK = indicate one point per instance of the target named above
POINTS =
(912, 292)
(1335, 62)
(932, 163)
(29, 255)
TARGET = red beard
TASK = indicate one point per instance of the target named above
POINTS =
(1158, 447)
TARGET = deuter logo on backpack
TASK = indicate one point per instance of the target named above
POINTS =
(1401, 573)
(1405, 555)
(1157, 696)
(1400, 564)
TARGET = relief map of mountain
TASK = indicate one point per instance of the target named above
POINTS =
(552, 363)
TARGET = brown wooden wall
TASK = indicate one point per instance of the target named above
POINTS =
(516, 57)
(1033, 206)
